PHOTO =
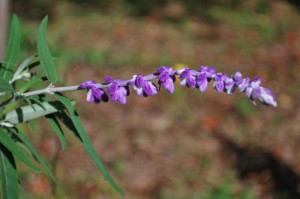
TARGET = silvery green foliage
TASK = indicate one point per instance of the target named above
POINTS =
(23, 98)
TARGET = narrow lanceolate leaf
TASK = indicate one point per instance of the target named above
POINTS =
(86, 142)
(57, 129)
(66, 120)
(6, 141)
(5, 86)
(44, 53)
(26, 142)
(28, 85)
(9, 175)
(23, 65)
(32, 111)
(12, 53)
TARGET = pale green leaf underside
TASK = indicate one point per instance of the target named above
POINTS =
(32, 111)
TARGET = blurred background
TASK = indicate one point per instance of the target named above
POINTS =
(185, 145)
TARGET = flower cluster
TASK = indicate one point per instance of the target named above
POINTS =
(117, 90)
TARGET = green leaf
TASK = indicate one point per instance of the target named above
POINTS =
(66, 120)
(86, 142)
(9, 175)
(5, 86)
(34, 81)
(26, 142)
(12, 53)
(57, 129)
(33, 111)
(44, 53)
(13, 148)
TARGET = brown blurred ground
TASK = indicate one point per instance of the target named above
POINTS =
(185, 144)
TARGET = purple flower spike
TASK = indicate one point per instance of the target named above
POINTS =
(187, 78)
(117, 93)
(202, 81)
(118, 89)
(219, 80)
(143, 87)
(166, 78)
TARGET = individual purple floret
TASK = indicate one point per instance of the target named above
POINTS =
(219, 81)
(143, 87)
(229, 85)
(256, 92)
(94, 94)
(210, 72)
(187, 78)
(166, 78)
(244, 84)
(116, 92)
(238, 78)
(206, 74)
(202, 81)
(264, 95)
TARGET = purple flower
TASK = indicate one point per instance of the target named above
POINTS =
(219, 81)
(166, 78)
(264, 95)
(116, 92)
(202, 81)
(206, 74)
(187, 78)
(209, 71)
(256, 92)
(94, 94)
(143, 87)
(229, 85)
(238, 78)
(256, 81)
(244, 84)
